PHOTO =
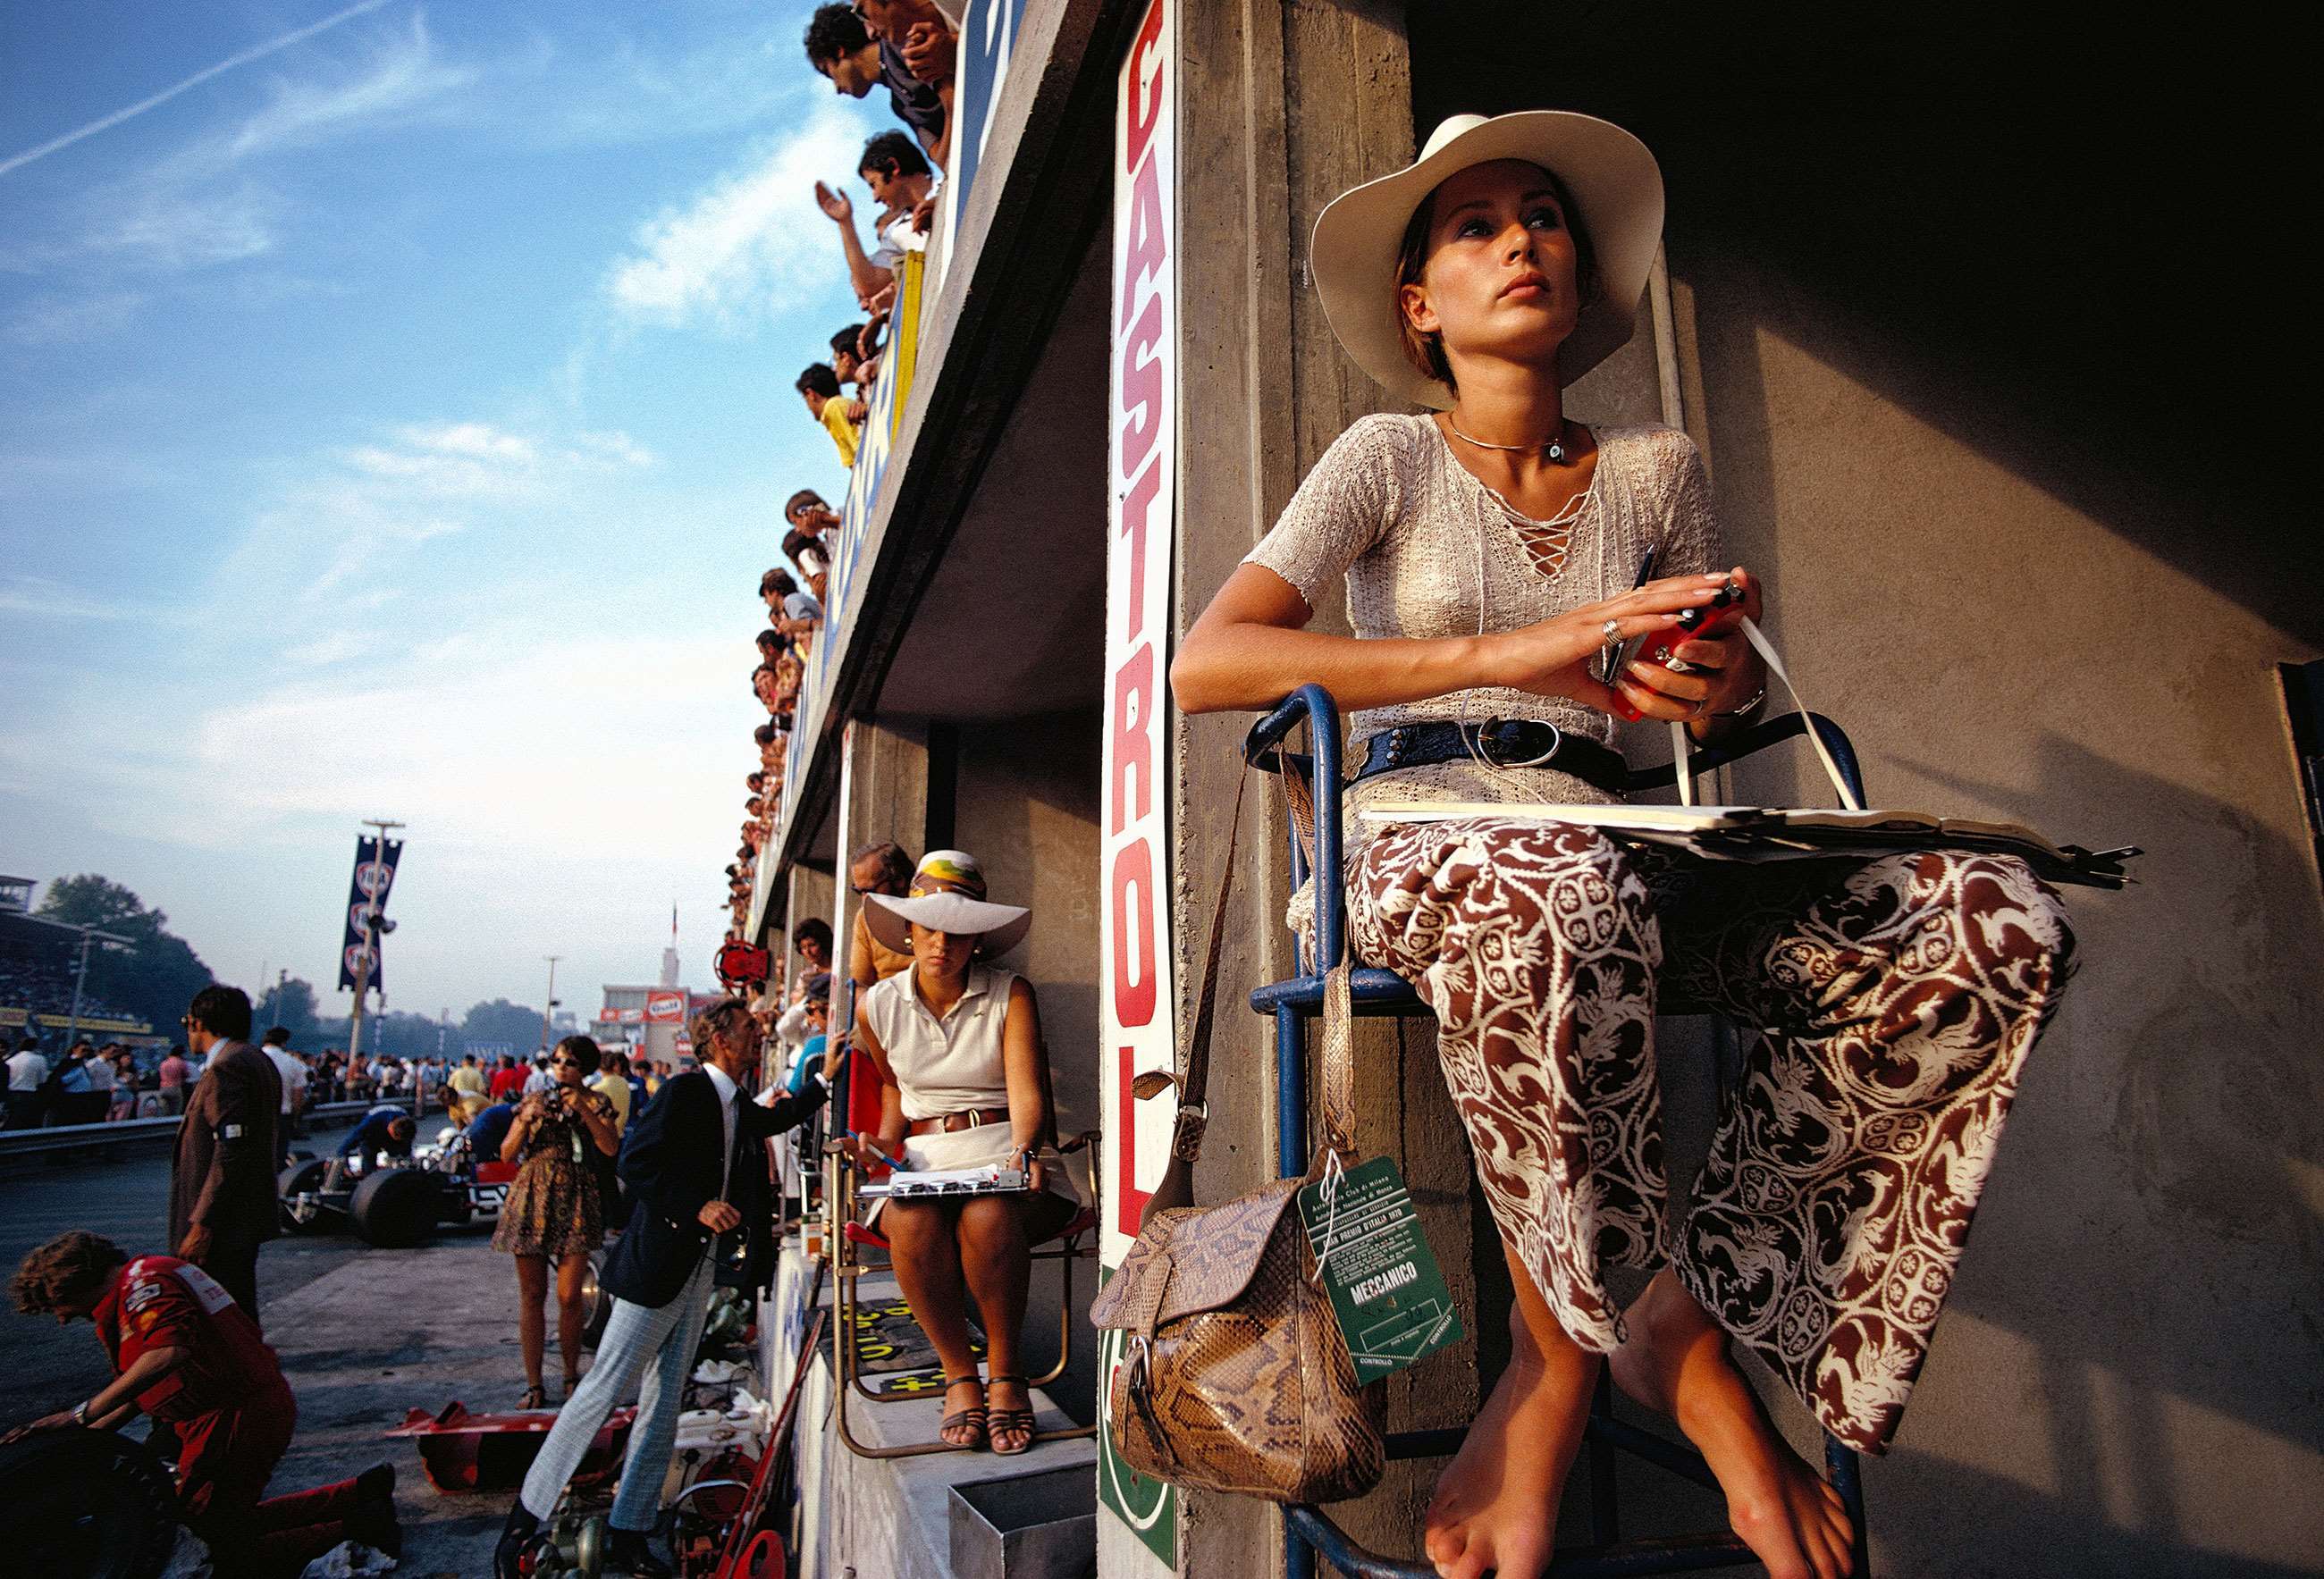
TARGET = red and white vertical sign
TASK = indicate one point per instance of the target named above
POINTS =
(1136, 1014)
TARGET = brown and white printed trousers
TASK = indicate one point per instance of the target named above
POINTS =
(1896, 1000)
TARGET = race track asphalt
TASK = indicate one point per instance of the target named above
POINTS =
(364, 1335)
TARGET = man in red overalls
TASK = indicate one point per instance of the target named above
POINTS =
(186, 1354)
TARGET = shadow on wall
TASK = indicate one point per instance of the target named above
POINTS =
(2140, 1304)
(2079, 237)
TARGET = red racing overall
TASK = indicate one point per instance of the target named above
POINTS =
(233, 1415)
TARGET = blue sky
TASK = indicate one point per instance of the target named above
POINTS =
(393, 423)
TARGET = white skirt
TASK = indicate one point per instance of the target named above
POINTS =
(983, 1145)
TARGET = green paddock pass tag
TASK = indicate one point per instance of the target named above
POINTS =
(1386, 1287)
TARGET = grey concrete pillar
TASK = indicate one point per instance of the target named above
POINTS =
(1282, 107)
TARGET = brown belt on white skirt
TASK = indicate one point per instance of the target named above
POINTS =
(953, 1122)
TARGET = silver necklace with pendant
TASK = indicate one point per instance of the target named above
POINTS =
(1553, 451)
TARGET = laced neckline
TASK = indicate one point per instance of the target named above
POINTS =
(1546, 542)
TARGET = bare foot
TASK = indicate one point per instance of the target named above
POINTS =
(1676, 1361)
(1496, 1504)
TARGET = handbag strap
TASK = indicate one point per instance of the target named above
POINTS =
(1176, 1187)
(1681, 744)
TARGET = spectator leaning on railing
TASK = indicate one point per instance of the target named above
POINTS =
(839, 46)
(900, 182)
(840, 417)
(923, 36)
(849, 363)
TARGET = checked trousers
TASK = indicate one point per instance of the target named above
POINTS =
(656, 1343)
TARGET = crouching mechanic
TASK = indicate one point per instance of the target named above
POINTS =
(695, 1164)
(386, 1128)
(184, 1353)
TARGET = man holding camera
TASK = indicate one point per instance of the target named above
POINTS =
(695, 1167)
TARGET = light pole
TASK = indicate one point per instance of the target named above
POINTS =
(551, 1009)
(89, 936)
(370, 941)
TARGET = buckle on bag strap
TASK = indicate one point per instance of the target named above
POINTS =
(1138, 1381)
(1186, 1131)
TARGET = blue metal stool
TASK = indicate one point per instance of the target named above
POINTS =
(1307, 1530)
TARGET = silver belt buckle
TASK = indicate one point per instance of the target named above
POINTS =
(1485, 746)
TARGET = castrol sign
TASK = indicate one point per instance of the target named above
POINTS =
(1136, 1015)
(1134, 929)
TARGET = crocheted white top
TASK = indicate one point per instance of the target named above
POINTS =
(1429, 551)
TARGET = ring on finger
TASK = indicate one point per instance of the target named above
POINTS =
(1613, 631)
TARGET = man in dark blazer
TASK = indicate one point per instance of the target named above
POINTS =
(695, 1164)
(222, 1200)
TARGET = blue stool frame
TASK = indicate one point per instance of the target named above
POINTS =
(1307, 1530)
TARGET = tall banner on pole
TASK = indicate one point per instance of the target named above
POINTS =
(366, 901)
(1137, 1000)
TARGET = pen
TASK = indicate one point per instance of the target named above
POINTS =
(1619, 653)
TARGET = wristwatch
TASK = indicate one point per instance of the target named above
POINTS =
(81, 1412)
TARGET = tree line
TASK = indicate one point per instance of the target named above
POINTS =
(157, 973)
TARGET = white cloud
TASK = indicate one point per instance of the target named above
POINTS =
(750, 236)
(170, 226)
(67, 320)
(336, 647)
(479, 439)
(476, 461)
(42, 598)
(486, 737)
(403, 78)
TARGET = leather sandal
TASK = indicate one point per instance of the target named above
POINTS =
(972, 1417)
(998, 1420)
(535, 1397)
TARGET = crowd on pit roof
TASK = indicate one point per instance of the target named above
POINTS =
(907, 48)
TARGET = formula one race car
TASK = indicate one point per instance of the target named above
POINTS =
(394, 1201)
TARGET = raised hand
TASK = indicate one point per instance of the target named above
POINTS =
(835, 204)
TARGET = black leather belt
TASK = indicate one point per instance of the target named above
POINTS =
(1505, 742)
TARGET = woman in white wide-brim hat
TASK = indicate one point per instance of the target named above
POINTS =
(1491, 550)
(964, 1083)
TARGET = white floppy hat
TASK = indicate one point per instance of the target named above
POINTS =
(947, 896)
(1617, 196)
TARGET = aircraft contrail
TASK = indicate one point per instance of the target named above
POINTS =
(257, 53)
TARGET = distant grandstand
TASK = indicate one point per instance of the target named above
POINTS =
(38, 961)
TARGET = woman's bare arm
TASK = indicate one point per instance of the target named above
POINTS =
(1022, 1057)
(1250, 648)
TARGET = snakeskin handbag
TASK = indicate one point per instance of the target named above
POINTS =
(1234, 1376)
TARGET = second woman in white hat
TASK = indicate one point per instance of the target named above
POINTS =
(964, 1083)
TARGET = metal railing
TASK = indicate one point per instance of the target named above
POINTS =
(123, 1134)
